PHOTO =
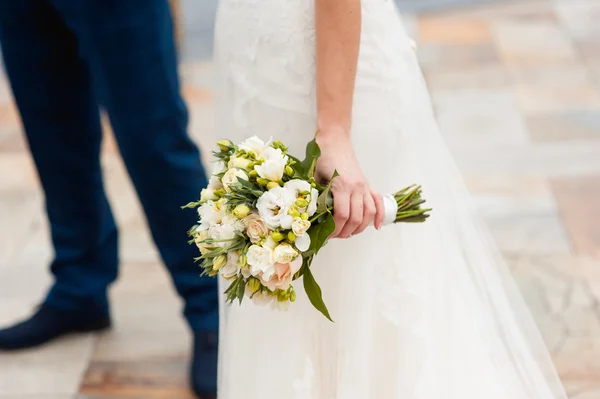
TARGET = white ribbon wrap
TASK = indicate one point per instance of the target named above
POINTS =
(391, 208)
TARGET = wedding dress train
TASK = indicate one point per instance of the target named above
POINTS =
(426, 311)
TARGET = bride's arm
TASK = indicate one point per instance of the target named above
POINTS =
(338, 26)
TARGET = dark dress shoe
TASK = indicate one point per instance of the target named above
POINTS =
(204, 365)
(49, 323)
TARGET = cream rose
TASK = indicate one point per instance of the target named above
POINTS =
(208, 194)
(218, 167)
(214, 183)
(255, 228)
(198, 238)
(299, 226)
(231, 177)
(284, 273)
(284, 253)
(232, 268)
(261, 261)
(242, 163)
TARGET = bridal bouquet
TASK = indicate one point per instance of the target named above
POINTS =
(263, 219)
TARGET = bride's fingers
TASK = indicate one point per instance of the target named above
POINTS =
(356, 215)
(368, 213)
(341, 210)
(379, 208)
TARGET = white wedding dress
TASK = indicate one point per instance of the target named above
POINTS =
(422, 311)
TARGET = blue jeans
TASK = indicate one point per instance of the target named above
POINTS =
(67, 58)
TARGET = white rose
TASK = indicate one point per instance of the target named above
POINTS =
(218, 167)
(236, 162)
(231, 177)
(232, 267)
(273, 165)
(255, 227)
(207, 194)
(211, 213)
(214, 183)
(253, 145)
(300, 226)
(261, 261)
(273, 206)
(224, 233)
(236, 224)
(284, 253)
(302, 242)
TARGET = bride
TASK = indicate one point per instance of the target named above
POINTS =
(424, 311)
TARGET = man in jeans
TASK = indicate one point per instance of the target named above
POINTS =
(64, 60)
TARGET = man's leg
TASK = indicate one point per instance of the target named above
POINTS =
(52, 89)
(133, 61)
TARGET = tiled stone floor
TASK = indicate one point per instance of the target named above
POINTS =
(516, 86)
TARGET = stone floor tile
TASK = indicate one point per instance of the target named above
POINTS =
(535, 234)
(492, 77)
(522, 11)
(538, 99)
(18, 212)
(540, 160)
(550, 75)
(533, 44)
(565, 125)
(17, 172)
(38, 396)
(56, 368)
(148, 378)
(580, 17)
(480, 119)
(448, 58)
(578, 200)
(436, 30)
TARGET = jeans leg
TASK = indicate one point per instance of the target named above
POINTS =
(131, 51)
(52, 88)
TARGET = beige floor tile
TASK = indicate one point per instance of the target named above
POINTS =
(38, 396)
(56, 368)
(434, 29)
(480, 119)
(578, 200)
(565, 125)
(538, 99)
(492, 77)
(19, 211)
(550, 75)
(17, 172)
(528, 44)
(580, 17)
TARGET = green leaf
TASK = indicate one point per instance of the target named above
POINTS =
(320, 233)
(241, 290)
(313, 152)
(322, 201)
(314, 293)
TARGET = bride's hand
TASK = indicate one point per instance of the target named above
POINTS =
(356, 205)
